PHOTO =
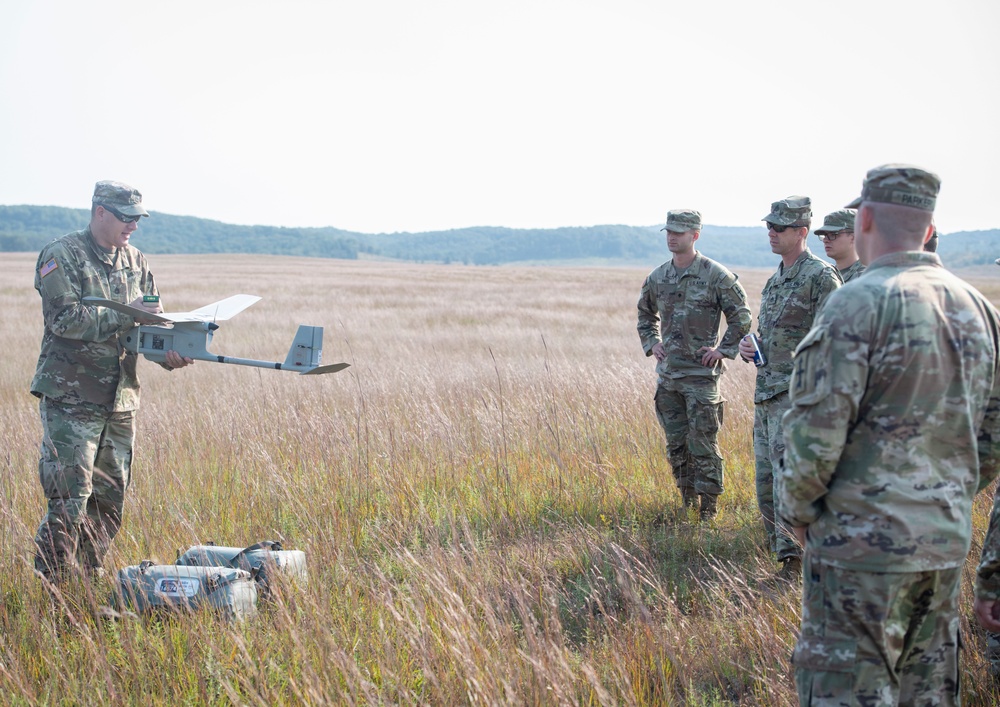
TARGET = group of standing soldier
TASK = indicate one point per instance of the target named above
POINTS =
(876, 418)
(876, 421)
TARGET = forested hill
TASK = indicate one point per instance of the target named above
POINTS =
(28, 228)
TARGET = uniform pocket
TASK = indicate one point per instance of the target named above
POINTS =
(818, 655)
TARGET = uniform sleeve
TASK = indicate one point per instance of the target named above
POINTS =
(988, 438)
(831, 365)
(829, 281)
(649, 318)
(988, 572)
(58, 278)
(733, 301)
(988, 446)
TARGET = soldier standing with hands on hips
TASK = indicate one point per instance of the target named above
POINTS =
(894, 425)
(680, 307)
(86, 382)
(789, 302)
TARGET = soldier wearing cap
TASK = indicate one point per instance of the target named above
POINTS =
(680, 307)
(789, 302)
(894, 425)
(86, 382)
(837, 235)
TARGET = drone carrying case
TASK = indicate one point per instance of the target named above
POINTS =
(148, 587)
(265, 560)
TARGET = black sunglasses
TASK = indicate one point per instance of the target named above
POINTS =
(120, 216)
(779, 229)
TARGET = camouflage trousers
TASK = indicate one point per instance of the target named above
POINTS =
(768, 451)
(690, 413)
(84, 469)
(874, 638)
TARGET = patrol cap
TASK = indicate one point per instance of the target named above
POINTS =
(119, 196)
(790, 211)
(900, 184)
(683, 220)
(838, 222)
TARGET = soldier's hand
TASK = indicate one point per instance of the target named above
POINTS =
(800, 533)
(710, 356)
(988, 613)
(746, 349)
(175, 360)
(658, 351)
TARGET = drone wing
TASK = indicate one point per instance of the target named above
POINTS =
(126, 309)
(218, 311)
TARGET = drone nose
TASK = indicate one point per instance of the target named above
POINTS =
(212, 326)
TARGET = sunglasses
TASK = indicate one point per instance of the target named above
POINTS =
(831, 237)
(779, 229)
(120, 216)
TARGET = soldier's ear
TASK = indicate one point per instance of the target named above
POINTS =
(864, 219)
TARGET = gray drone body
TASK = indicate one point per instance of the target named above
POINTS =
(190, 334)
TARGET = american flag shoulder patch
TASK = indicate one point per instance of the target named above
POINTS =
(48, 267)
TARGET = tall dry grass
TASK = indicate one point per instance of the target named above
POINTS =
(483, 497)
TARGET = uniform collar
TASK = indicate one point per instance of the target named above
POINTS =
(905, 258)
(794, 267)
(102, 253)
(698, 257)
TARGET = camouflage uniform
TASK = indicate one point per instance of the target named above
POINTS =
(789, 303)
(851, 271)
(894, 425)
(89, 394)
(682, 310)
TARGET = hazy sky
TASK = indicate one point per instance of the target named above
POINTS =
(410, 115)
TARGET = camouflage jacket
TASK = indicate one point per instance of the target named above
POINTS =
(82, 360)
(852, 271)
(894, 422)
(788, 304)
(683, 310)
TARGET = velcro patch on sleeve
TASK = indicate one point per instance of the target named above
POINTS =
(50, 266)
(811, 376)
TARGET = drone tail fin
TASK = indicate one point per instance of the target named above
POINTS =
(307, 349)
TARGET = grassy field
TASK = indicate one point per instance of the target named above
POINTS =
(483, 497)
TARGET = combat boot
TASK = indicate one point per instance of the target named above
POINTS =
(709, 506)
(689, 497)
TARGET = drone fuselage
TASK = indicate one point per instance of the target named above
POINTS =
(189, 339)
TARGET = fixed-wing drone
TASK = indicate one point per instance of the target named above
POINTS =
(190, 333)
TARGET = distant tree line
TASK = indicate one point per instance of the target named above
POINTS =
(28, 228)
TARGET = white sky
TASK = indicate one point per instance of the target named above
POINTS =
(411, 115)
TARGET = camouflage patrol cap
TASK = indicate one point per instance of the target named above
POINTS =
(119, 196)
(683, 220)
(838, 222)
(901, 184)
(791, 211)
